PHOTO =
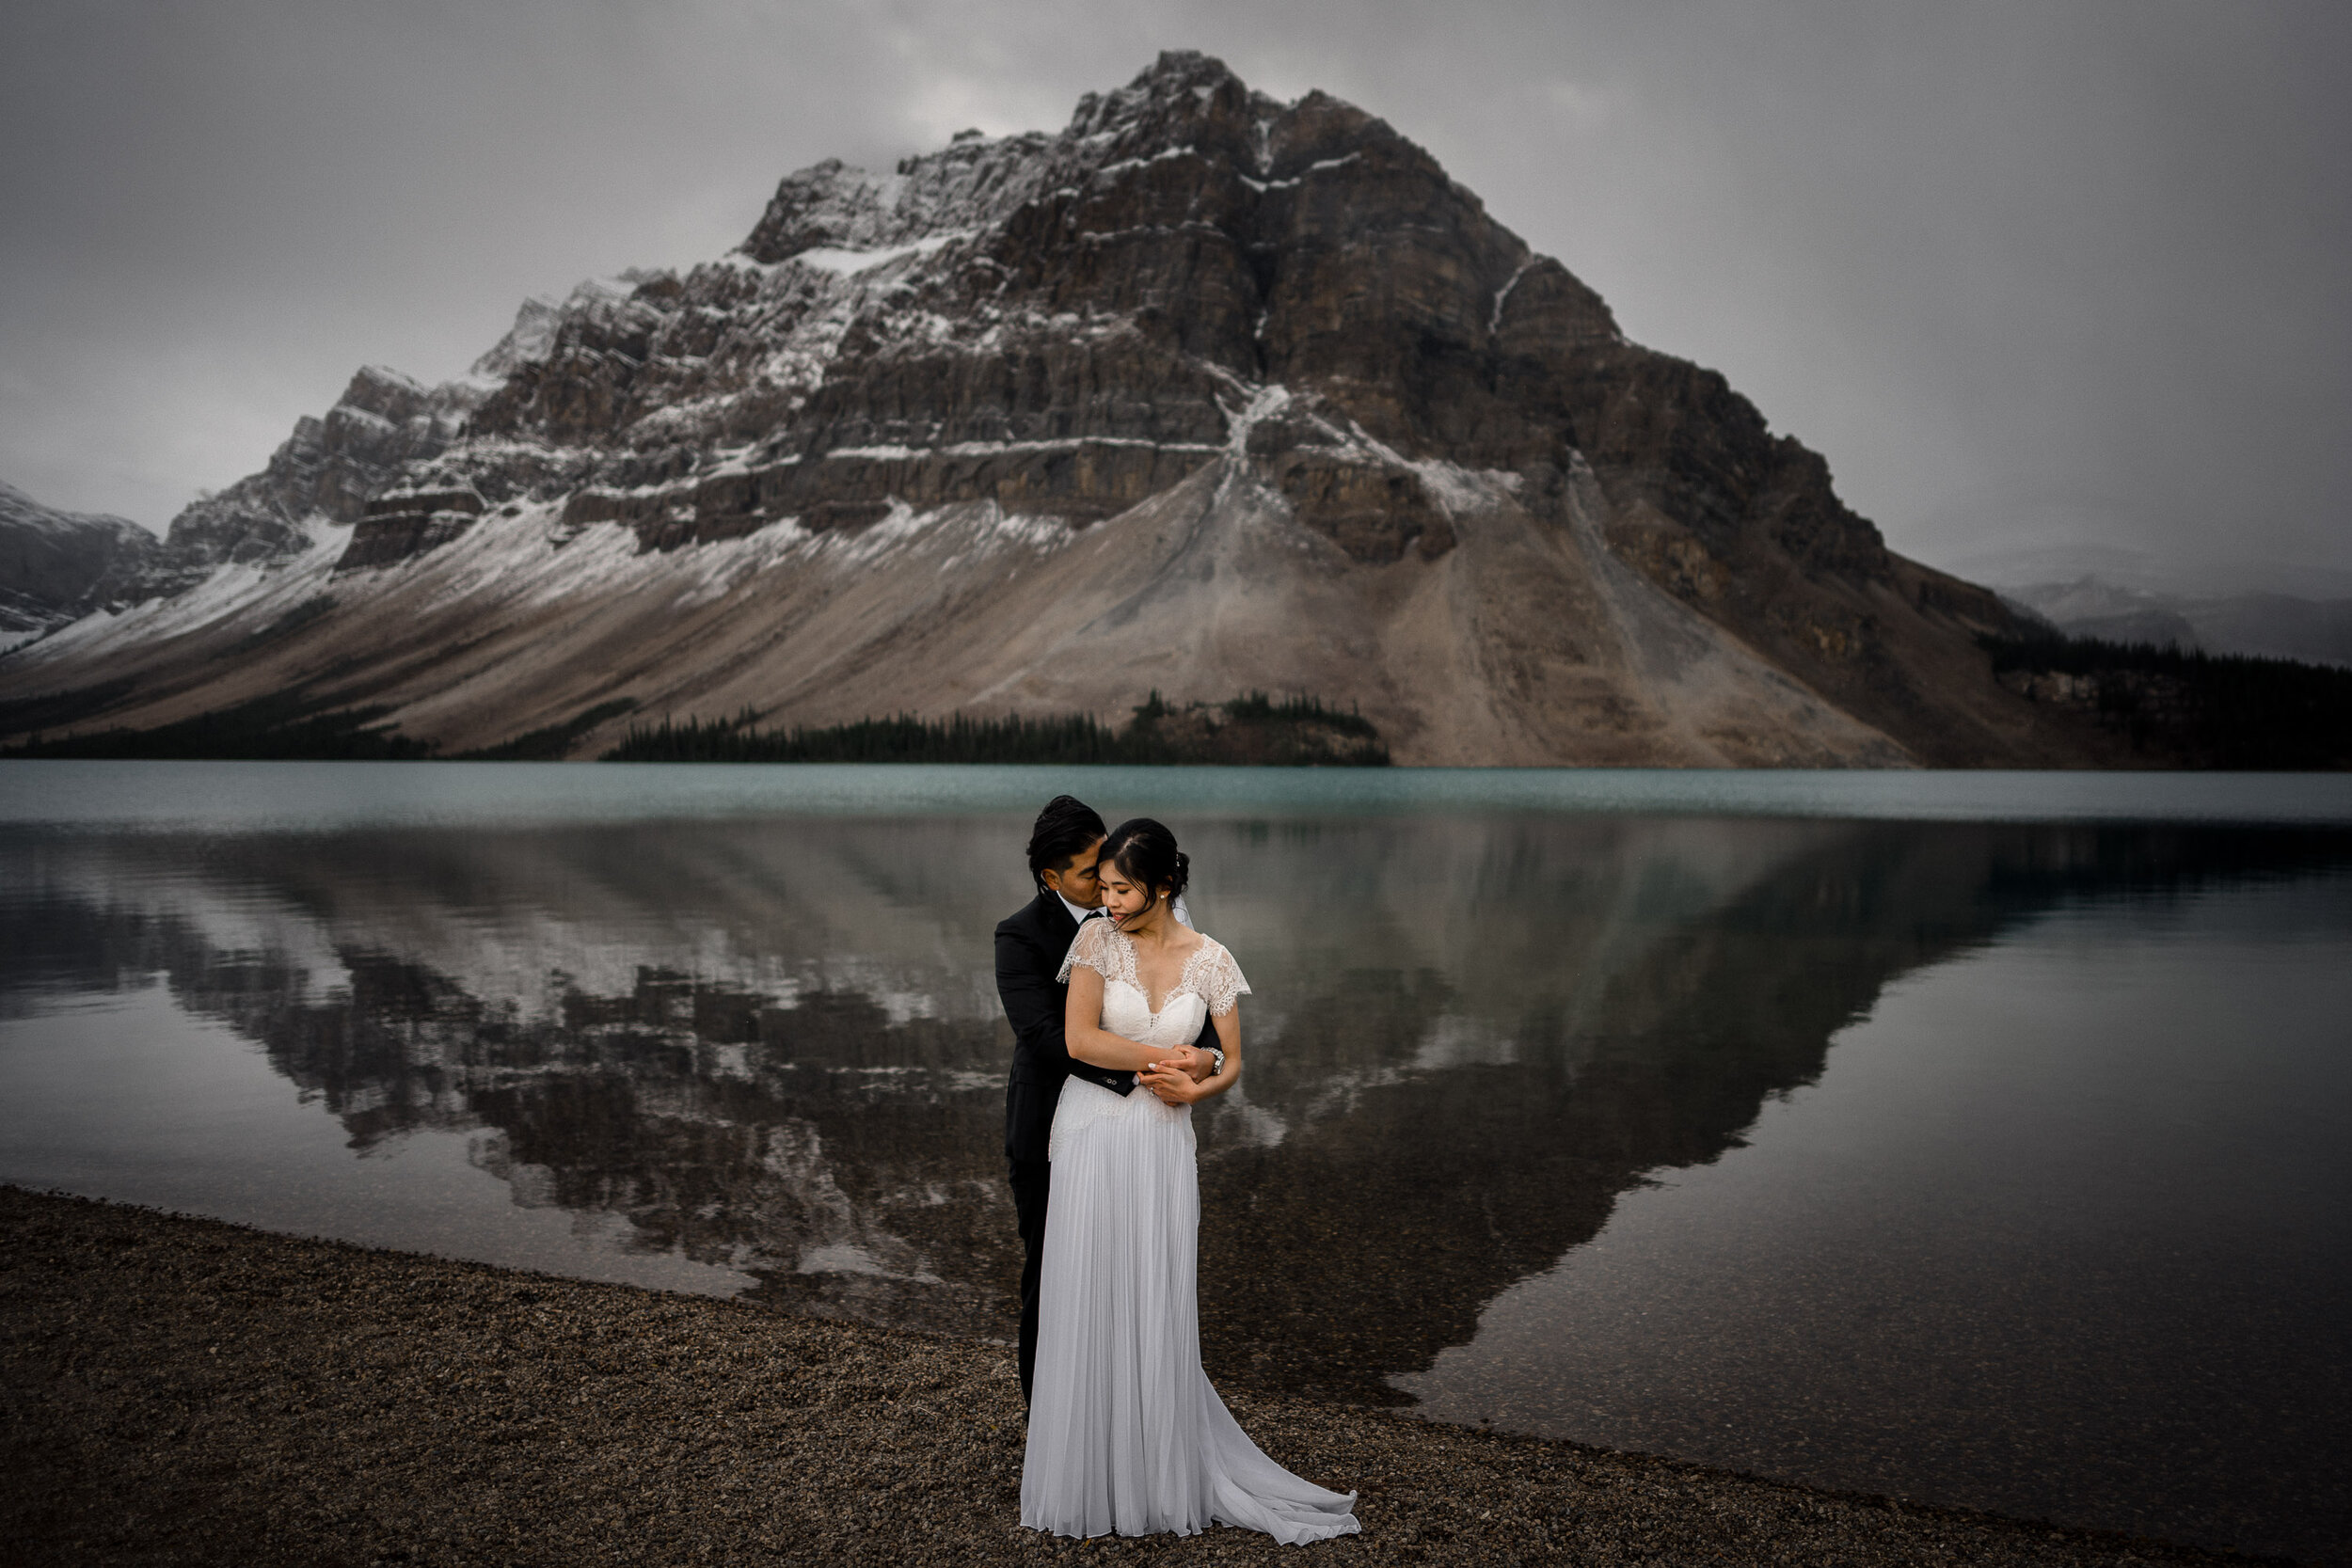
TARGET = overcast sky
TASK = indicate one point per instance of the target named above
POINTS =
(2023, 269)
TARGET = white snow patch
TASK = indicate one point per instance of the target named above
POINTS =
(1265, 403)
(1187, 151)
(528, 341)
(732, 460)
(882, 454)
(241, 588)
(525, 561)
(711, 572)
(410, 488)
(1312, 169)
(993, 528)
(1041, 534)
(1494, 322)
(1459, 489)
(848, 262)
(902, 524)
(987, 448)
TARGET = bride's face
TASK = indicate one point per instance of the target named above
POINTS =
(1124, 898)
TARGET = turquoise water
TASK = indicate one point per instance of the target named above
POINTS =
(1982, 1138)
(240, 796)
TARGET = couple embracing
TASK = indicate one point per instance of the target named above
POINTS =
(1123, 1018)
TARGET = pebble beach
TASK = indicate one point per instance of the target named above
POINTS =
(182, 1390)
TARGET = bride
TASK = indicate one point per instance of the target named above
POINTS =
(1125, 1432)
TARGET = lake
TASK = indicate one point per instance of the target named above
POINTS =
(1981, 1138)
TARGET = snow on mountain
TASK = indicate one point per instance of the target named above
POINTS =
(56, 565)
(1205, 392)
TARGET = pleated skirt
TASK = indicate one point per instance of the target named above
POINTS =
(1126, 1435)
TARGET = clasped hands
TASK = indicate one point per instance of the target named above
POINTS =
(1175, 1078)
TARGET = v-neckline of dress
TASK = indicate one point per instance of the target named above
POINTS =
(1135, 962)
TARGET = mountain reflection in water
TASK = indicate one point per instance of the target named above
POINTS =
(773, 1046)
(776, 1046)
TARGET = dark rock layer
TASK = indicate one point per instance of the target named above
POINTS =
(56, 565)
(400, 524)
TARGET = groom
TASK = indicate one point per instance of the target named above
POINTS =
(1030, 946)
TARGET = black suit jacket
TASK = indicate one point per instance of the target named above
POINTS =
(1030, 946)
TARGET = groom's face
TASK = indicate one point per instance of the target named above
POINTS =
(1078, 882)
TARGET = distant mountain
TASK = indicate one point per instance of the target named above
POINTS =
(2268, 609)
(2182, 576)
(2275, 625)
(56, 566)
(1204, 394)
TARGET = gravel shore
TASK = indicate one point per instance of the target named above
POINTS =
(179, 1390)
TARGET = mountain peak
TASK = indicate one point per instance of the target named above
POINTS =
(56, 565)
(1182, 81)
(1205, 392)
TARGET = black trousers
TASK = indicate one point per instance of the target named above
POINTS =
(1032, 1180)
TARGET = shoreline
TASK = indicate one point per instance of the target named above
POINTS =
(188, 1390)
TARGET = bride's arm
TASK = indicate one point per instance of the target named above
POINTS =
(1089, 1042)
(1177, 1088)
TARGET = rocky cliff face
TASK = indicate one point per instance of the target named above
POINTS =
(329, 470)
(1204, 392)
(56, 565)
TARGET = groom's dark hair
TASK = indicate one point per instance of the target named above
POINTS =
(1066, 826)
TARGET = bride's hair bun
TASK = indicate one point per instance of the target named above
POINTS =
(1146, 853)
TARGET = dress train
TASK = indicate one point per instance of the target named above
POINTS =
(1126, 1433)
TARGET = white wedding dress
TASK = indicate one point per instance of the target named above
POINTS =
(1125, 1432)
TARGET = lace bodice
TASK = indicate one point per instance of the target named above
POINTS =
(1210, 974)
(1208, 983)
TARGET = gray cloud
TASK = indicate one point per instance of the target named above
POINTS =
(2022, 271)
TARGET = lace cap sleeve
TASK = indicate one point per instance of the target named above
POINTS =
(1093, 947)
(1221, 979)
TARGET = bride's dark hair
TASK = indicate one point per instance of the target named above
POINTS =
(1146, 853)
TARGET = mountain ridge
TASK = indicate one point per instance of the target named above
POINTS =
(1203, 393)
(56, 566)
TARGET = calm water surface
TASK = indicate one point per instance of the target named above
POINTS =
(1982, 1138)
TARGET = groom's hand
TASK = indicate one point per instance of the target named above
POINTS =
(1191, 1061)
